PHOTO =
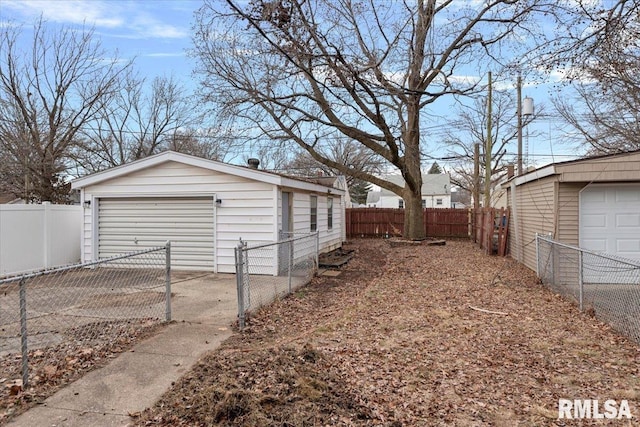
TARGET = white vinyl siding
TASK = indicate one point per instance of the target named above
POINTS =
(313, 213)
(249, 208)
(328, 239)
(132, 224)
(246, 210)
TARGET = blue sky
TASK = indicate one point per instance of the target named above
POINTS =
(157, 33)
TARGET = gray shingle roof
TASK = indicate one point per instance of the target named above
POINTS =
(432, 184)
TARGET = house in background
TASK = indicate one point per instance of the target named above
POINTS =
(460, 198)
(203, 207)
(593, 203)
(436, 192)
(10, 199)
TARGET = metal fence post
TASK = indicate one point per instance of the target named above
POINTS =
(538, 255)
(554, 259)
(240, 283)
(290, 261)
(23, 333)
(580, 281)
(167, 271)
(317, 250)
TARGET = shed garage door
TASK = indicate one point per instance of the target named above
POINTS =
(610, 219)
(130, 224)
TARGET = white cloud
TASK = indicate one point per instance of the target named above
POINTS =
(570, 74)
(149, 26)
(165, 54)
(96, 13)
(130, 19)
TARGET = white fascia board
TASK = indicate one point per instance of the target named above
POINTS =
(309, 186)
(536, 174)
(168, 156)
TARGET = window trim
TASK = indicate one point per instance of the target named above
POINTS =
(329, 213)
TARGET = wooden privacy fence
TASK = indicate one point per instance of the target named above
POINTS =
(491, 230)
(386, 222)
(487, 227)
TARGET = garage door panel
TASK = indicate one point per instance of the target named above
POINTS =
(627, 195)
(628, 220)
(598, 245)
(631, 246)
(594, 221)
(594, 196)
(152, 213)
(127, 225)
(611, 225)
(120, 229)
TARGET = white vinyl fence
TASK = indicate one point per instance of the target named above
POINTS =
(33, 237)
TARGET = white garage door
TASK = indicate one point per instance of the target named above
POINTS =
(131, 224)
(610, 219)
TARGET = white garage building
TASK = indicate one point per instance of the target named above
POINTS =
(203, 207)
(593, 203)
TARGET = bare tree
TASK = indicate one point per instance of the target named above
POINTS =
(345, 152)
(47, 95)
(607, 121)
(309, 71)
(210, 143)
(470, 127)
(601, 52)
(139, 121)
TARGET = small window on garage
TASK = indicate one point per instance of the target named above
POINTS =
(424, 203)
(314, 213)
(401, 204)
(329, 213)
(439, 202)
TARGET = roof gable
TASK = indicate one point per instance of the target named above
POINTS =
(212, 165)
(611, 167)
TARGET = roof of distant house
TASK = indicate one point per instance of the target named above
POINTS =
(432, 184)
(7, 198)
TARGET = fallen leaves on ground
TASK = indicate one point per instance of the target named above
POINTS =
(394, 341)
(53, 367)
(409, 336)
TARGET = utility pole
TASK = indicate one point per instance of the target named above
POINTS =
(487, 151)
(519, 86)
(476, 176)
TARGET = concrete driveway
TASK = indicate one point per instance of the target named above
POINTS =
(204, 306)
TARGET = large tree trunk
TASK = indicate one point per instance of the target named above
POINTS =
(412, 173)
(413, 215)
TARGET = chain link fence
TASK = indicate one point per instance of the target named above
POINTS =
(269, 271)
(604, 285)
(81, 306)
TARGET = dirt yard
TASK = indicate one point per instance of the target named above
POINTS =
(410, 336)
